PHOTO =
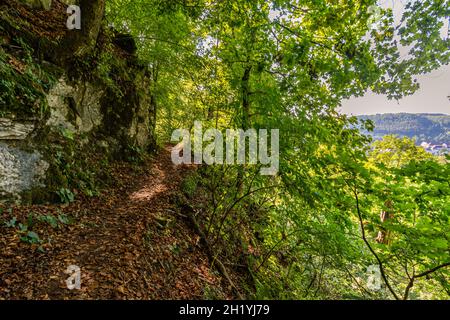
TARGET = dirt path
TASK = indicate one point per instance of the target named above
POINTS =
(130, 243)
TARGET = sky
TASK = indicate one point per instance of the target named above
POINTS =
(432, 97)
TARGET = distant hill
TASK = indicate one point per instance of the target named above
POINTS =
(432, 128)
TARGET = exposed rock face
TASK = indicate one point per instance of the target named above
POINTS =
(113, 123)
(75, 106)
(82, 107)
(78, 107)
(94, 105)
(20, 170)
(13, 130)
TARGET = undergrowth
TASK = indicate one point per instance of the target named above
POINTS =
(23, 82)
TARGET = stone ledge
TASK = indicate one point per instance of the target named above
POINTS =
(13, 130)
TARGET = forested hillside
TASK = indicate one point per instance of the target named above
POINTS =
(174, 149)
(430, 128)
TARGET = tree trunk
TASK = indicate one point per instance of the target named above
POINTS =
(246, 97)
(81, 42)
(383, 235)
(245, 86)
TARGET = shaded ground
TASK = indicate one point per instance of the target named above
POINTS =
(50, 24)
(130, 243)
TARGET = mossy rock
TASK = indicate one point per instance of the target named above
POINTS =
(38, 4)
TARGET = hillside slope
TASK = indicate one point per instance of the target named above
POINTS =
(432, 128)
(132, 242)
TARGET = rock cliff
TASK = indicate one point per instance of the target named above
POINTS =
(56, 117)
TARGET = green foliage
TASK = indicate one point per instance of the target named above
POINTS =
(27, 229)
(393, 151)
(24, 229)
(23, 83)
(31, 238)
(11, 223)
(212, 293)
(415, 191)
(65, 195)
(106, 67)
(189, 185)
(55, 221)
(64, 219)
(67, 134)
(75, 167)
(311, 231)
(49, 219)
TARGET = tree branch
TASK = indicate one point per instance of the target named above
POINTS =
(380, 263)
(420, 275)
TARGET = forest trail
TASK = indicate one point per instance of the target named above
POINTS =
(130, 243)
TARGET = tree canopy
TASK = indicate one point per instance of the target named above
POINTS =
(288, 64)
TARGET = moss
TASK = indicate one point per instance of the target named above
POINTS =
(74, 165)
(37, 196)
(26, 198)
(56, 179)
(23, 85)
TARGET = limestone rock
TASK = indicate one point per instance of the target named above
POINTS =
(141, 122)
(20, 170)
(106, 113)
(12, 130)
(75, 106)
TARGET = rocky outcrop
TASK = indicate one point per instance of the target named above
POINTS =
(20, 170)
(56, 115)
(75, 106)
(115, 121)
(13, 130)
